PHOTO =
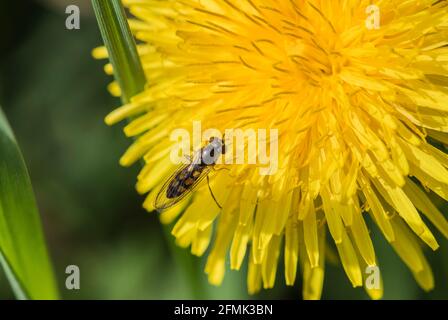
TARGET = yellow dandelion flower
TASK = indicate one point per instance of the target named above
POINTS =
(361, 108)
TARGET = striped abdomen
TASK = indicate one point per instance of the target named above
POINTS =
(184, 180)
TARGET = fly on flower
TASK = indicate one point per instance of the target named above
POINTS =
(187, 177)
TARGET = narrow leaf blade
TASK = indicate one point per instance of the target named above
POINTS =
(23, 252)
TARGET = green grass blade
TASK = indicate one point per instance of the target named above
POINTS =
(23, 253)
(121, 47)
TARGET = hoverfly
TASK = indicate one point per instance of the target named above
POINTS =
(187, 177)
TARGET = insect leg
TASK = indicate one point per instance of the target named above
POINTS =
(211, 192)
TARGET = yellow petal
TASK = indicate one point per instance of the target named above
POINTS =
(239, 245)
(313, 278)
(362, 239)
(291, 250)
(333, 218)
(270, 262)
(424, 204)
(349, 260)
(311, 238)
(253, 277)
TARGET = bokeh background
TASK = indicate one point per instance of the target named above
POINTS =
(54, 95)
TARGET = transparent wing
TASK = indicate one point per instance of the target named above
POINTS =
(162, 202)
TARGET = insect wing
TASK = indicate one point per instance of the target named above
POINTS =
(162, 202)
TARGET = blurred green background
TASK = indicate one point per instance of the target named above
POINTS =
(54, 95)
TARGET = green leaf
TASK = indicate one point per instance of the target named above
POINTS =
(23, 253)
(121, 47)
